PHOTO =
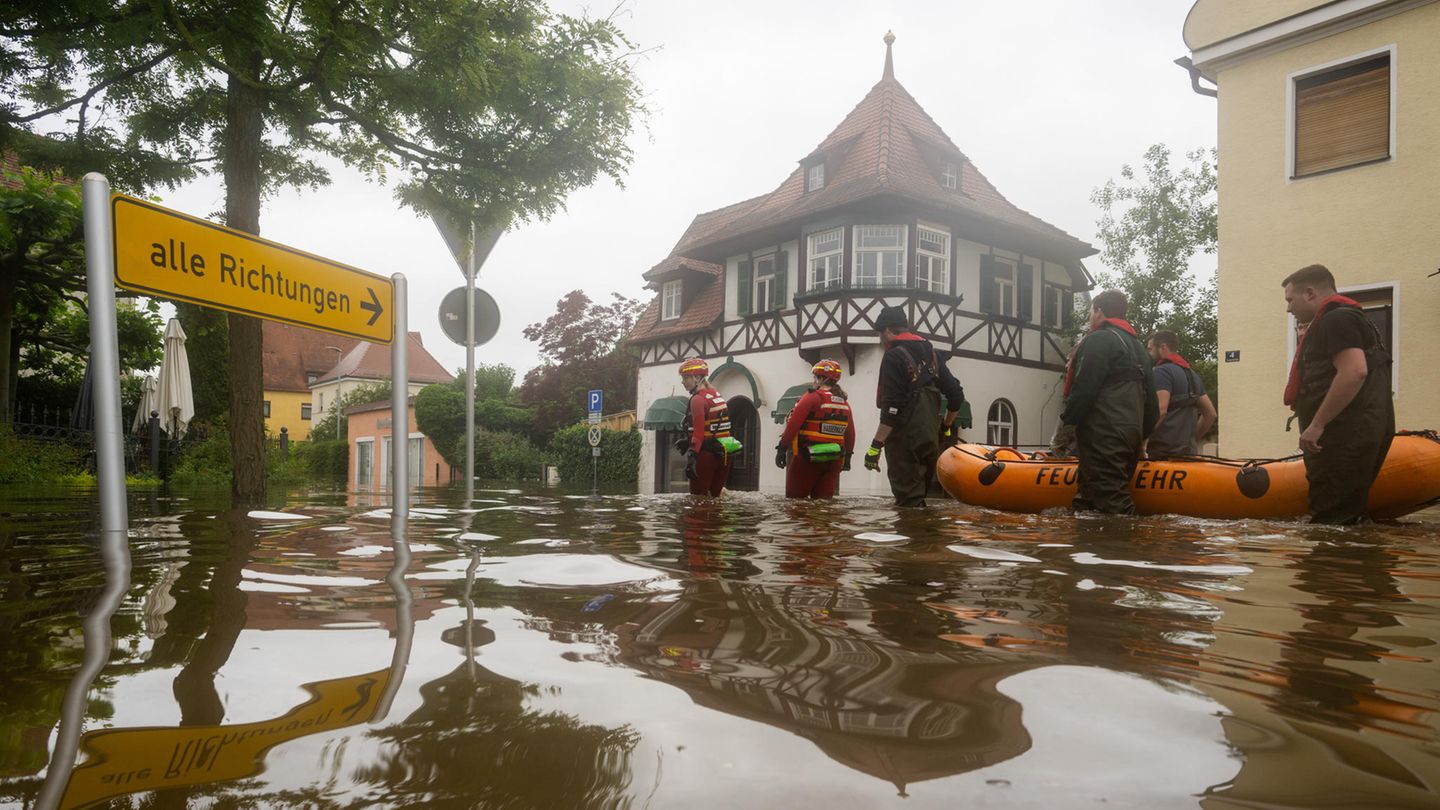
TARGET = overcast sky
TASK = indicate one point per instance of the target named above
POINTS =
(1048, 97)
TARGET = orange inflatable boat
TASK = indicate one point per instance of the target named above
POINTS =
(1005, 478)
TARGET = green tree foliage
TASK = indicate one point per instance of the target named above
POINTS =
(503, 455)
(619, 456)
(486, 110)
(323, 429)
(580, 350)
(440, 411)
(41, 262)
(1152, 224)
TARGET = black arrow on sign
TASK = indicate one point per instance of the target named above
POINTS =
(373, 305)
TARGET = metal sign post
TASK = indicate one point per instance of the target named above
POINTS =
(400, 404)
(104, 354)
(470, 370)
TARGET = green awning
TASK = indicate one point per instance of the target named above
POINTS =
(787, 402)
(666, 413)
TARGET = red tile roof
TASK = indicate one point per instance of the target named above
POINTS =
(674, 265)
(700, 316)
(370, 361)
(878, 149)
(292, 353)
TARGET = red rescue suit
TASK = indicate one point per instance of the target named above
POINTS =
(707, 422)
(820, 417)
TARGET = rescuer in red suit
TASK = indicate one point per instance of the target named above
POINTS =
(707, 442)
(819, 437)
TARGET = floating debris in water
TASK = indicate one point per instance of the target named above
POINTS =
(261, 514)
(1087, 558)
(983, 553)
(336, 529)
(478, 537)
(880, 537)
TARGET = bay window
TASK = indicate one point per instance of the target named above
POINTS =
(880, 256)
(826, 255)
(932, 261)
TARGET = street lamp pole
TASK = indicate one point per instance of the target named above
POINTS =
(470, 370)
(335, 400)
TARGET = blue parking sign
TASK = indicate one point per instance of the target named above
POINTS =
(595, 400)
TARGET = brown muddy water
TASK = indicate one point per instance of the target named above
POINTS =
(535, 649)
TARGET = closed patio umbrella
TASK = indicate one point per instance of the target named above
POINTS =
(175, 399)
(149, 401)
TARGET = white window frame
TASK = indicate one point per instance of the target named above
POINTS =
(1291, 79)
(1394, 287)
(994, 426)
(815, 176)
(305, 414)
(827, 267)
(950, 176)
(926, 260)
(1005, 290)
(1059, 292)
(861, 251)
(365, 444)
(761, 286)
(670, 300)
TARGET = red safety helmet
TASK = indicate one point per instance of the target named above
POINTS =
(694, 367)
(828, 369)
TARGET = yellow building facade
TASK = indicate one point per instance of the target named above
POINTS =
(1329, 153)
(288, 409)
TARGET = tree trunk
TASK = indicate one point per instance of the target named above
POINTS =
(7, 321)
(244, 125)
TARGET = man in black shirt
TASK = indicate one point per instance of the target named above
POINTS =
(1339, 388)
(912, 378)
(1186, 412)
(1110, 404)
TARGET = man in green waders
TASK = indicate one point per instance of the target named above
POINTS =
(912, 378)
(1110, 406)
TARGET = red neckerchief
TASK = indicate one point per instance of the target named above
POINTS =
(1118, 323)
(893, 341)
(1173, 358)
(1292, 385)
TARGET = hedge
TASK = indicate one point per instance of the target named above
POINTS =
(619, 456)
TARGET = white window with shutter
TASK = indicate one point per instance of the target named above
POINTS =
(1004, 287)
(670, 300)
(880, 255)
(932, 260)
(827, 252)
(1052, 309)
(765, 283)
(1342, 114)
(950, 176)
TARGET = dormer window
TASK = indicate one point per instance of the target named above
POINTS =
(815, 177)
(950, 175)
(670, 300)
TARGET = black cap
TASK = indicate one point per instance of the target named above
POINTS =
(891, 318)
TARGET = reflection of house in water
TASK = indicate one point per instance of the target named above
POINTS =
(785, 658)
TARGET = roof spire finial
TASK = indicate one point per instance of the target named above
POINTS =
(889, 61)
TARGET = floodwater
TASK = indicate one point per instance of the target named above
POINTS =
(536, 649)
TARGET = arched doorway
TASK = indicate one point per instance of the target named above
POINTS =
(745, 427)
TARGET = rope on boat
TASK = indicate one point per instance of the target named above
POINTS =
(1245, 463)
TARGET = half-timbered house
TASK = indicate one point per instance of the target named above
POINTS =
(885, 211)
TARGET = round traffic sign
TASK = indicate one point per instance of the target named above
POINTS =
(452, 316)
(593, 436)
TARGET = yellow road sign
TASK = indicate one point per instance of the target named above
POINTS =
(129, 760)
(177, 256)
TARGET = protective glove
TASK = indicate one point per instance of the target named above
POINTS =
(1062, 444)
(949, 436)
(872, 457)
(690, 471)
(781, 457)
(846, 466)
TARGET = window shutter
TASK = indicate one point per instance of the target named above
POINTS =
(1342, 117)
(1048, 305)
(745, 286)
(1025, 290)
(987, 283)
(1067, 319)
(778, 296)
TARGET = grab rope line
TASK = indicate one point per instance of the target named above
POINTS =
(1228, 462)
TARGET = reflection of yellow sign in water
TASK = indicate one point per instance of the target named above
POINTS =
(178, 256)
(129, 760)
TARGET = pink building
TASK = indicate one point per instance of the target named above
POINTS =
(371, 429)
